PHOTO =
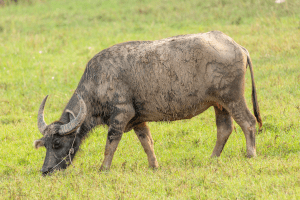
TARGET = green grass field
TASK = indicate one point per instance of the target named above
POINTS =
(44, 47)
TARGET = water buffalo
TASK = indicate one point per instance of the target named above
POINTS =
(129, 84)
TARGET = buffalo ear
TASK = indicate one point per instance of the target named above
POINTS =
(38, 143)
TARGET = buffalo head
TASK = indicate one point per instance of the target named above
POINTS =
(60, 140)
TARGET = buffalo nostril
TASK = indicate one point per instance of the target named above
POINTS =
(45, 171)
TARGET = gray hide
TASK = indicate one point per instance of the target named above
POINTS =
(129, 84)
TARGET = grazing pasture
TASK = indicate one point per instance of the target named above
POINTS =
(44, 47)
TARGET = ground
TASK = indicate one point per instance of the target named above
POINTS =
(44, 47)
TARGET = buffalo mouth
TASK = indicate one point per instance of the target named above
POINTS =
(47, 173)
(51, 170)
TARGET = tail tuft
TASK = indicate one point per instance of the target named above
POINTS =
(254, 96)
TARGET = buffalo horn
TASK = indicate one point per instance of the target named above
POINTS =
(41, 122)
(74, 124)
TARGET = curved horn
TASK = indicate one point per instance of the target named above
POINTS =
(74, 124)
(41, 122)
(71, 114)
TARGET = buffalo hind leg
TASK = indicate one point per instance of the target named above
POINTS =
(143, 133)
(244, 118)
(224, 124)
(120, 118)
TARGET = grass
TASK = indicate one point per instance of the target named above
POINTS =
(44, 46)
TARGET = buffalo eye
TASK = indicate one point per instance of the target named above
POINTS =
(56, 144)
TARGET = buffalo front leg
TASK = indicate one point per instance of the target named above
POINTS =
(144, 135)
(224, 124)
(123, 114)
